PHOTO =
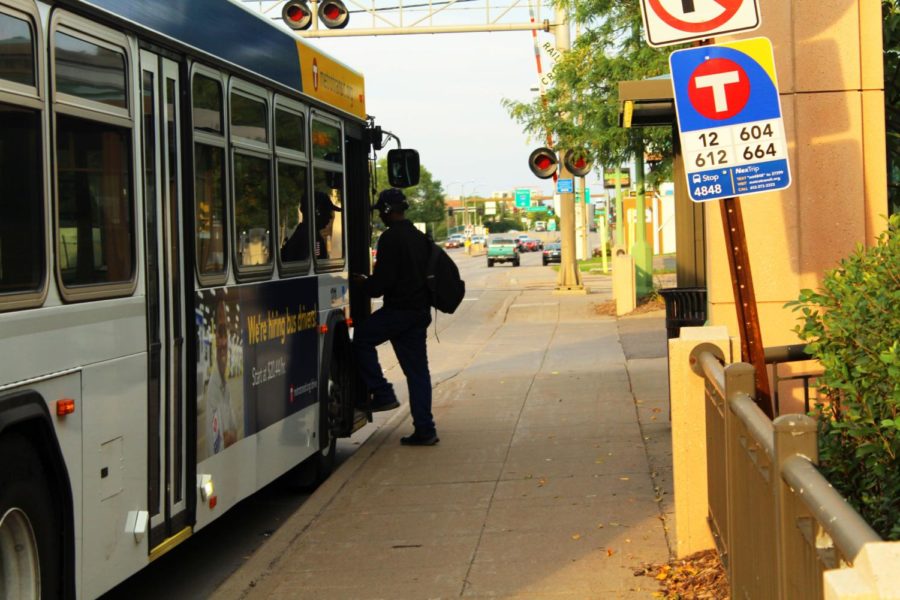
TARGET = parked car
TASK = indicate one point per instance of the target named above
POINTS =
(552, 253)
(503, 250)
(457, 240)
(479, 239)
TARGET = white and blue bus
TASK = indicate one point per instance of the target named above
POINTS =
(184, 188)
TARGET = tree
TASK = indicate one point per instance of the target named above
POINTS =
(581, 108)
(426, 200)
(890, 10)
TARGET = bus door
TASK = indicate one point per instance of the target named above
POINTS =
(168, 468)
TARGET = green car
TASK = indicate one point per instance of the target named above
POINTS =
(503, 250)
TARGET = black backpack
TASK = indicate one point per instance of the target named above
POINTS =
(445, 287)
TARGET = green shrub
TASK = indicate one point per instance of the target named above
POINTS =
(852, 326)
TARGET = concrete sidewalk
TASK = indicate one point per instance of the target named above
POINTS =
(552, 478)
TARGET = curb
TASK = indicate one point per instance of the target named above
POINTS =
(253, 578)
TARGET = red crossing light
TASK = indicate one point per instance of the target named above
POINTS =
(296, 14)
(333, 14)
(577, 163)
(543, 163)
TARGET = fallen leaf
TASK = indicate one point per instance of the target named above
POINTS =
(576, 536)
(610, 551)
(542, 482)
(623, 478)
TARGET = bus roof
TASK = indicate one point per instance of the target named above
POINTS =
(234, 34)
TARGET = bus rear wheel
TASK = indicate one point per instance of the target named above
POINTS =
(29, 531)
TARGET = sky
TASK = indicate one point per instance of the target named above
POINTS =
(441, 94)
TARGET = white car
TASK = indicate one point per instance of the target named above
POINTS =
(457, 240)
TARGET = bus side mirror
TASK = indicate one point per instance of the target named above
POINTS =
(403, 167)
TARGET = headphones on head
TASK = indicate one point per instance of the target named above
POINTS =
(387, 207)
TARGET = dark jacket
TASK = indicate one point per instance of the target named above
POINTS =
(400, 262)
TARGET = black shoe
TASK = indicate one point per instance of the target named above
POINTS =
(420, 439)
(382, 404)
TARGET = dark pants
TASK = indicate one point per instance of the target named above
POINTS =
(406, 331)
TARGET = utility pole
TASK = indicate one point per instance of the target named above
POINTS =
(569, 276)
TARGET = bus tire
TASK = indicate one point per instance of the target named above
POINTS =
(28, 523)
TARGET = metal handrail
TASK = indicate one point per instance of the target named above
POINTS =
(847, 529)
(713, 370)
(790, 353)
(776, 355)
(756, 422)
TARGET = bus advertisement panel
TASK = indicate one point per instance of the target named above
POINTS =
(257, 359)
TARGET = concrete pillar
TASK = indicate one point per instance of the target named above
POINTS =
(829, 65)
(689, 474)
(872, 577)
(624, 284)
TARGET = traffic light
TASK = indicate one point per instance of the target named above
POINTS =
(543, 163)
(333, 14)
(577, 163)
(296, 14)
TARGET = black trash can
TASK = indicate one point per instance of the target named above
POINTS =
(685, 307)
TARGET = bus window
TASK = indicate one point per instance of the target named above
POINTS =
(207, 99)
(248, 118)
(328, 189)
(209, 193)
(290, 132)
(252, 210)
(329, 214)
(90, 71)
(17, 49)
(94, 202)
(326, 142)
(21, 215)
(293, 213)
(209, 179)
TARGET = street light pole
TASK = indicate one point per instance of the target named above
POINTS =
(569, 277)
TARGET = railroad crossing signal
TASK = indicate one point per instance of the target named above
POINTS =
(668, 22)
(543, 163)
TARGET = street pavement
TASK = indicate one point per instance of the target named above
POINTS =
(552, 478)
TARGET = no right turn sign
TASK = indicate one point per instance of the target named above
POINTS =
(668, 22)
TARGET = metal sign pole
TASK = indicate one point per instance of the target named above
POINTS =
(752, 350)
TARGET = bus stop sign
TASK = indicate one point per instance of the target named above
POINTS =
(729, 119)
(668, 22)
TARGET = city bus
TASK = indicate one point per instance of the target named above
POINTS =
(184, 188)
